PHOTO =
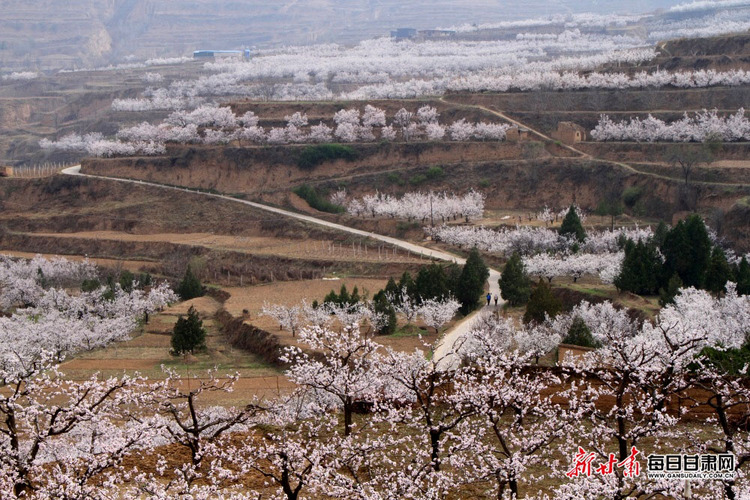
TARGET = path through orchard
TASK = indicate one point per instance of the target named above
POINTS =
(582, 155)
(444, 355)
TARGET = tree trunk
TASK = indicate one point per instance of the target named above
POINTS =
(435, 455)
(348, 404)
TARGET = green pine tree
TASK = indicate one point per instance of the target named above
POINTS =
(432, 282)
(188, 334)
(660, 233)
(515, 285)
(687, 252)
(743, 277)
(571, 225)
(668, 293)
(541, 303)
(331, 298)
(354, 298)
(718, 271)
(579, 334)
(471, 282)
(126, 281)
(190, 287)
(383, 306)
(344, 299)
(407, 283)
(640, 269)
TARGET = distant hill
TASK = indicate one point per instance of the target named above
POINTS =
(51, 34)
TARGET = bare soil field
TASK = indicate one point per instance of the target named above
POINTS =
(259, 245)
(147, 352)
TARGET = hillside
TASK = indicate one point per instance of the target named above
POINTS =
(48, 34)
(82, 33)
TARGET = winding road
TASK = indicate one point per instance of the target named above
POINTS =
(443, 355)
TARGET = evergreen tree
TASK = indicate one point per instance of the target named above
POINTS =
(718, 271)
(188, 334)
(344, 298)
(354, 298)
(743, 277)
(331, 298)
(190, 287)
(571, 225)
(669, 292)
(89, 285)
(687, 252)
(579, 334)
(700, 250)
(432, 282)
(471, 282)
(41, 278)
(393, 291)
(515, 285)
(381, 305)
(541, 303)
(407, 283)
(660, 233)
(640, 269)
(126, 281)
(144, 280)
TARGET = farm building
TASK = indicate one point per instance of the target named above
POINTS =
(516, 134)
(435, 34)
(404, 33)
(569, 133)
(213, 54)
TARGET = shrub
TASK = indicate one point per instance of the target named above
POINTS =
(316, 201)
(435, 173)
(395, 178)
(417, 179)
(631, 195)
(188, 334)
(312, 156)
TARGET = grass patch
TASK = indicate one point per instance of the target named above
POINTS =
(418, 179)
(395, 178)
(316, 200)
(312, 156)
(409, 331)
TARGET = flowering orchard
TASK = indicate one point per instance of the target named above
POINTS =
(415, 206)
(545, 53)
(209, 124)
(496, 426)
(705, 125)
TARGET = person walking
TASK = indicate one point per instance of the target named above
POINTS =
(489, 297)
(495, 297)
